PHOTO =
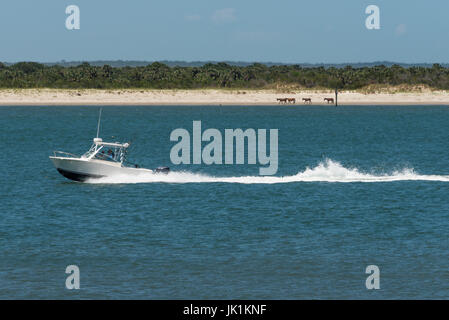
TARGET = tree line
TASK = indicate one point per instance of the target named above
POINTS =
(217, 75)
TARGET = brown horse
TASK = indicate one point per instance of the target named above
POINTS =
(282, 100)
(307, 100)
(329, 100)
(292, 100)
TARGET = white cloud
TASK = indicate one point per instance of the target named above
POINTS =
(223, 15)
(400, 30)
(255, 36)
(192, 17)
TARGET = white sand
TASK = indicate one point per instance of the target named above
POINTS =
(209, 97)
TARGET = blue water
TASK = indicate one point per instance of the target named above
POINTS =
(367, 185)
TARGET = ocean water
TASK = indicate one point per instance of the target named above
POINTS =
(356, 186)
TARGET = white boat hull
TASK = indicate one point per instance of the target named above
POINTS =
(80, 169)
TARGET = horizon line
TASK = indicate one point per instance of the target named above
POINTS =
(377, 62)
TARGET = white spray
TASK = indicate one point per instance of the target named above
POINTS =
(327, 171)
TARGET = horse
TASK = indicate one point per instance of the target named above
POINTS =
(329, 100)
(307, 100)
(282, 100)
(292, 100)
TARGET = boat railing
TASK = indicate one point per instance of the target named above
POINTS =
(65, 154)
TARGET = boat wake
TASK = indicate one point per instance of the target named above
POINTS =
(326, 171)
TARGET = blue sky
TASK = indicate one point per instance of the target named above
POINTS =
(294, 31)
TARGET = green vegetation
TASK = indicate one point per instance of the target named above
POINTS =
(219, 75)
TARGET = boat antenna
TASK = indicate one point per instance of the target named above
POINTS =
(99, 120)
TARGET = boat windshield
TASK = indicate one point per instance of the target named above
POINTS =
(109, 155)
(111, 152)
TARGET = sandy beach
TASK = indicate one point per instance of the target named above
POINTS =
(10, 97)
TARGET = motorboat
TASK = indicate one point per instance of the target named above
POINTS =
(104, 159)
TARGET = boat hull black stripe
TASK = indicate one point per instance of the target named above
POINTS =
(81, 177)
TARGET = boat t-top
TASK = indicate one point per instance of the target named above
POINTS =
(104, 159)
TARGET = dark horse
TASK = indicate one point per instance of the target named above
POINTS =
(282, 100)
(307, 100)
(329, 100)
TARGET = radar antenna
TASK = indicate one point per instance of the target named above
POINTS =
(99, 120)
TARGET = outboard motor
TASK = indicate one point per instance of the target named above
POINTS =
(165, 170)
